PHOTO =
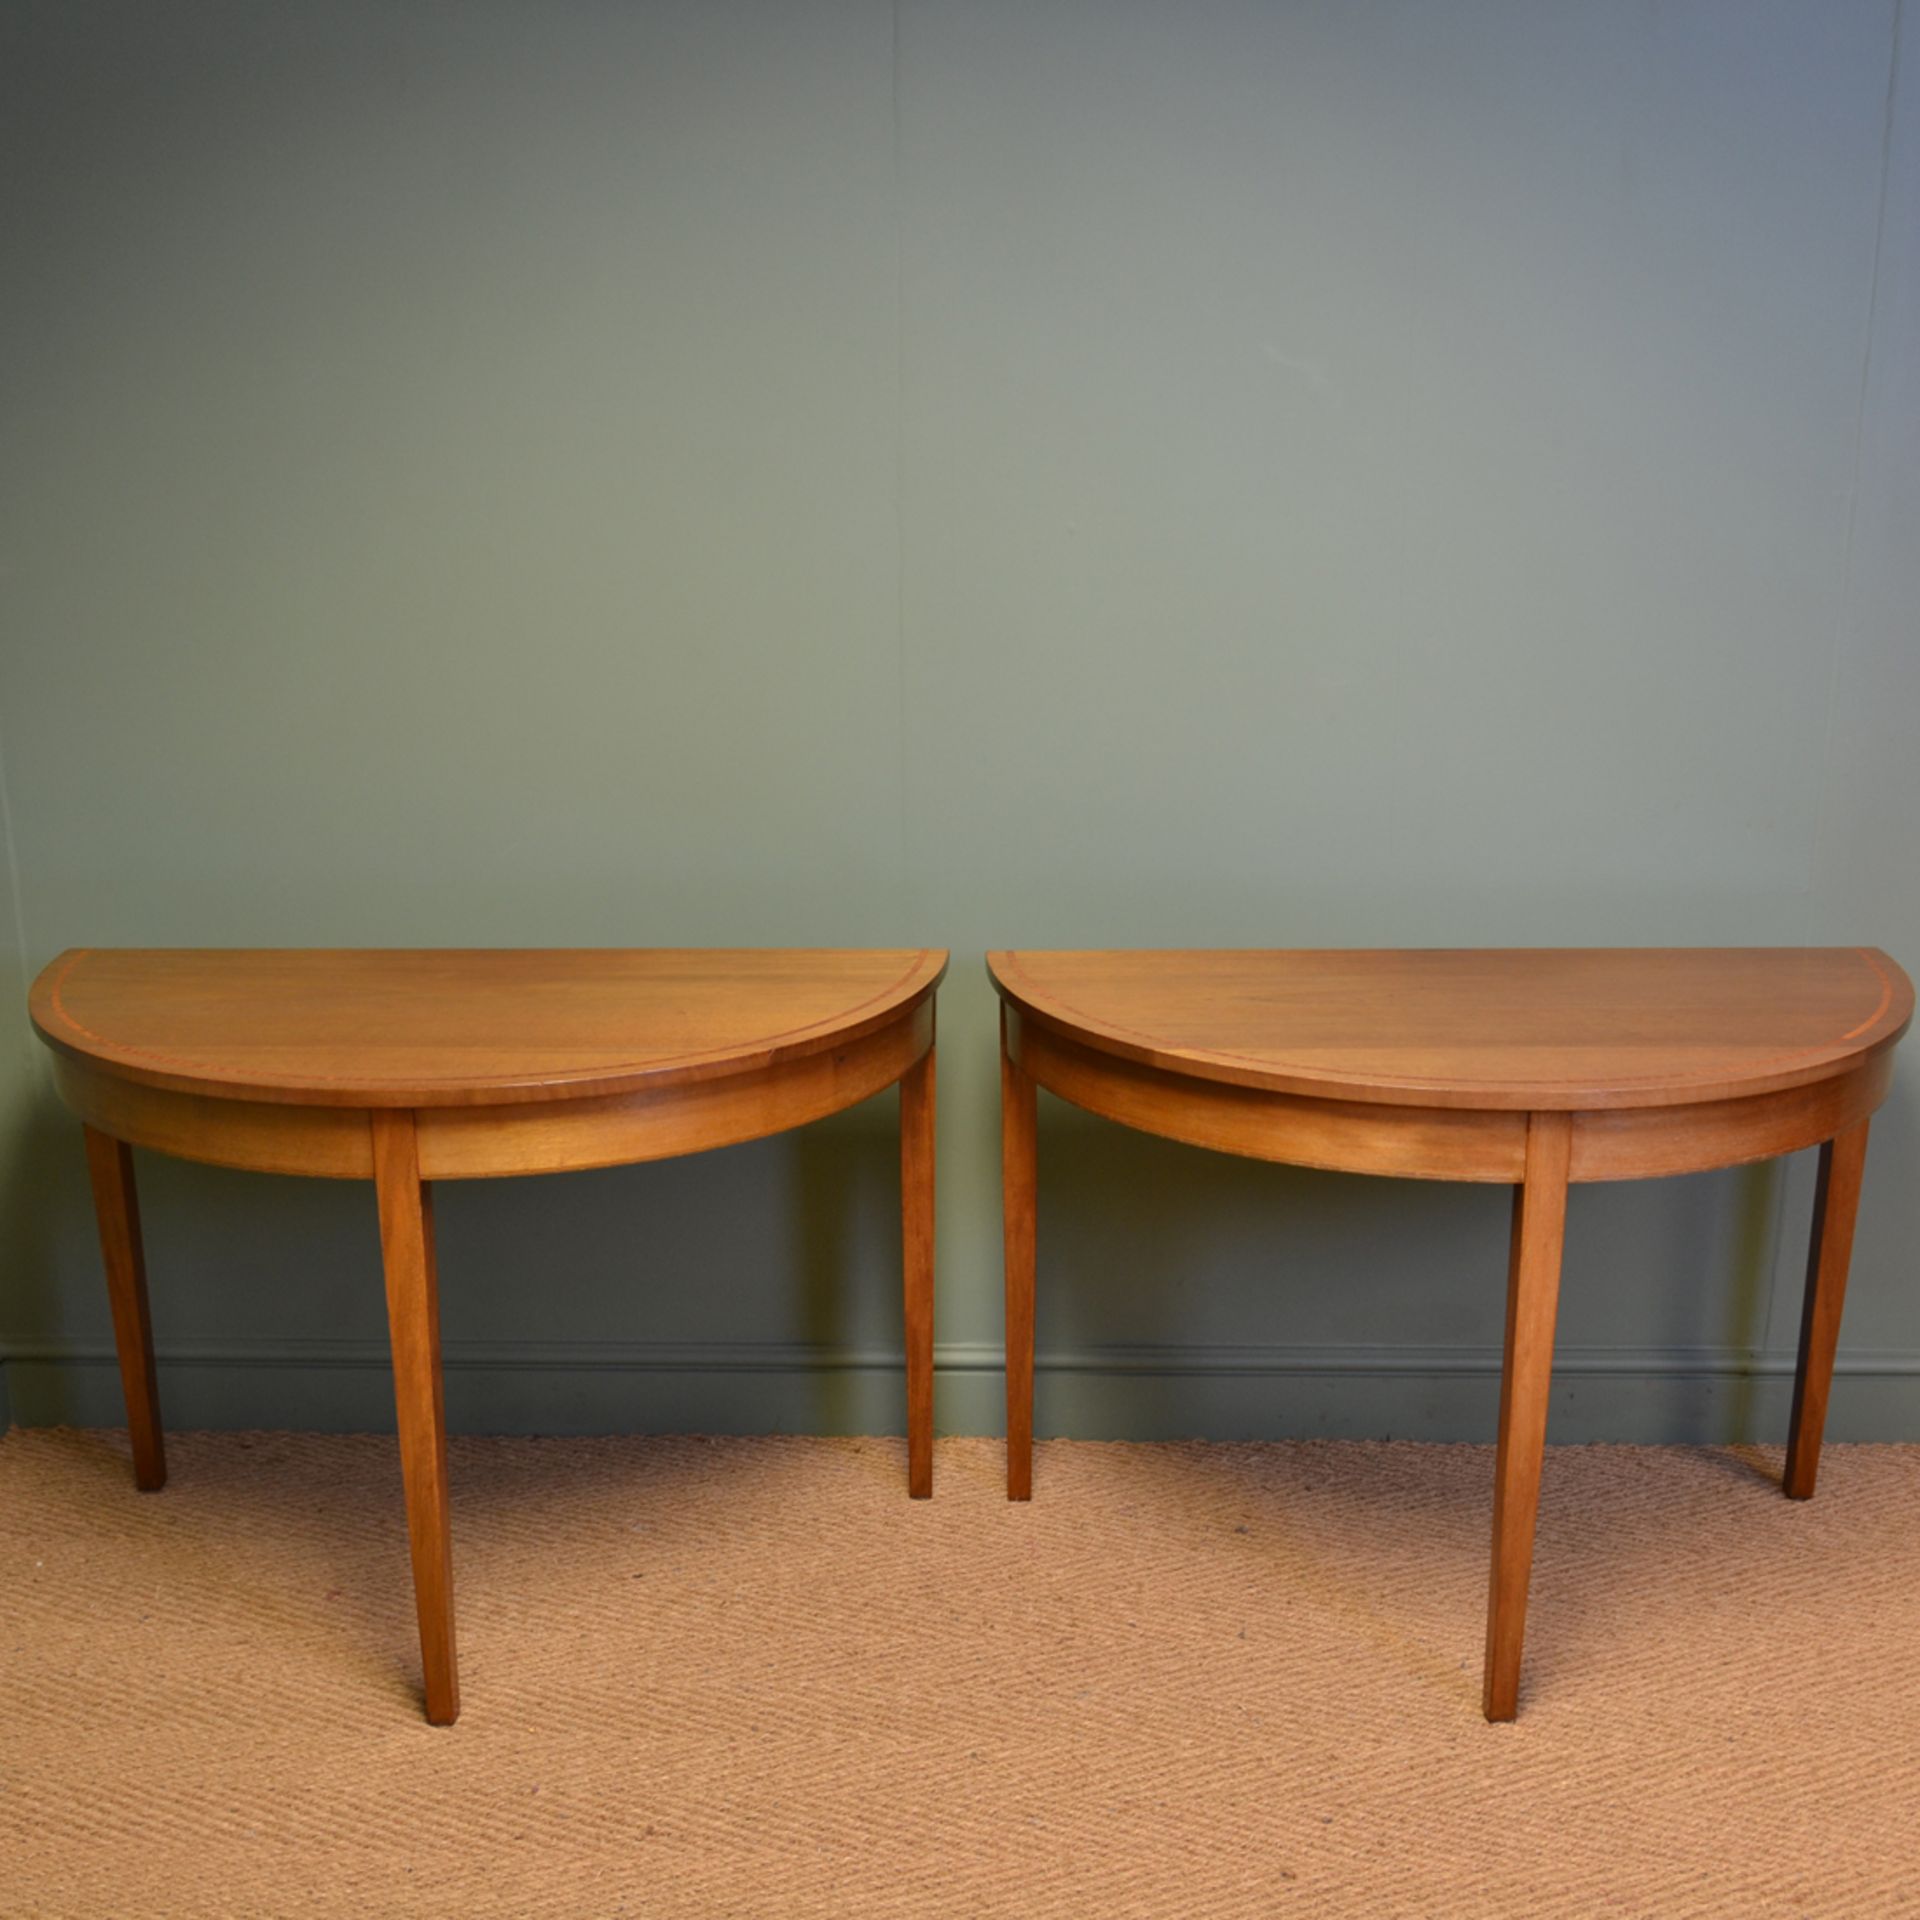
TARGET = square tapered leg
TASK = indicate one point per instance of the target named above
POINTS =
(1526, 1381)
(1836, 1203)
(117, 1209)
(1018, 1184)
(413, 1319)
(916, 1233)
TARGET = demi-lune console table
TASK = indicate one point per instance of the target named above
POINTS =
(407, 1067)
(1531, 1069)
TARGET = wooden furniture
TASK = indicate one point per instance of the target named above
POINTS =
(404, 1068)
(1533, 1069)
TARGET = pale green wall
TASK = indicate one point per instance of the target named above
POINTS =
(20, 1094)
(1036, 473)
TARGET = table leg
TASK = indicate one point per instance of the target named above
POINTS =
(413, 1319)
(117, 1209)
(1018, 1176)
(1836, 1202)
(916, 1232)
(1533, 1299)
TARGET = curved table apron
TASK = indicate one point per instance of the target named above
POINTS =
(132, 1086)
(1323, 1110)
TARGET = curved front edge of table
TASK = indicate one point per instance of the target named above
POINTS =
(466, 1143)
(404, 1151)
(1487, 1145)
(1539, 1153)
(469, 1143)
(1339, 1136)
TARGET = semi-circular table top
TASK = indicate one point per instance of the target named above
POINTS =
(446, 1028)
(1550, 1029)
(408, 1067)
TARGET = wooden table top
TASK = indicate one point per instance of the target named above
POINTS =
(452, 1027)
(1540, 1029)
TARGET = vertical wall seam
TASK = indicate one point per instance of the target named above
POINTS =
(15, 892)
(25, 1041)
(1842, 620)
(910, 904)
(1842, 613)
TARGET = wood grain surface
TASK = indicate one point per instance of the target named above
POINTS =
(432, 1027)
(1527, 1029)
(1537, 1068)
(409, 1066)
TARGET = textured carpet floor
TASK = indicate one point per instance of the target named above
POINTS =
(748, 1677)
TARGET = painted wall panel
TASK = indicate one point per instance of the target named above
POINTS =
(976, 474)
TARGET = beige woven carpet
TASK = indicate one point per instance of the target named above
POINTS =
(748, 1677)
